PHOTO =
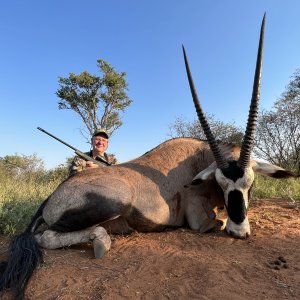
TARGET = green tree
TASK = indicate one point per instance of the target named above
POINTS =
(225, 132)
(98, 100)
(277, 137)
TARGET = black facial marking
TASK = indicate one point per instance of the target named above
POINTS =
(233, 171)
(236, 207)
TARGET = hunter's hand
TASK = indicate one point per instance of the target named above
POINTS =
(90, 164)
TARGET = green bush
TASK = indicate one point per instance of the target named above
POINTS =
(23, 188)
(267, 187)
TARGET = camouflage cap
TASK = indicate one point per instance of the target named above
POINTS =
(101, 132)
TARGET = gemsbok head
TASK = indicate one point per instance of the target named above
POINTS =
(236, 177)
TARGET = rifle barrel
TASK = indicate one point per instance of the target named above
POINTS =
(68, 145)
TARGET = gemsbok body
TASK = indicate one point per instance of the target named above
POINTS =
(178, 183)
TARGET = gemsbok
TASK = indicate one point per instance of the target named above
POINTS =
(180, 182)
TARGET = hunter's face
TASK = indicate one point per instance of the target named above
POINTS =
(99, 144)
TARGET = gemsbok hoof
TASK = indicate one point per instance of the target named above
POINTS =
(99, 248)
(101, 241)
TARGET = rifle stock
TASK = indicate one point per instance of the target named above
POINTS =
(86, 157)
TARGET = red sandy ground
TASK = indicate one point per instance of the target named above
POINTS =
(181, 264)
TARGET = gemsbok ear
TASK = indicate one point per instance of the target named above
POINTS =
(205, 174)
(271, 170)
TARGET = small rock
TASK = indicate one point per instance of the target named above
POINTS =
(277, 262)
(286, 266)
(281, 258)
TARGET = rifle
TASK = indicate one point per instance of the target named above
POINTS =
(78, 152)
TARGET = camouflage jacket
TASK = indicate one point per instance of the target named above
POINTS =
(78, 164)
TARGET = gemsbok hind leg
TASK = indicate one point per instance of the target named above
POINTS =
(51, 239)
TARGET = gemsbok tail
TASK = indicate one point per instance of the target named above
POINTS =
(24, 256)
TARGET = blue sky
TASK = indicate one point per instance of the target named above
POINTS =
(42, 40)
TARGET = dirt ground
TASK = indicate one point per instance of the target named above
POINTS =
(181, 264)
